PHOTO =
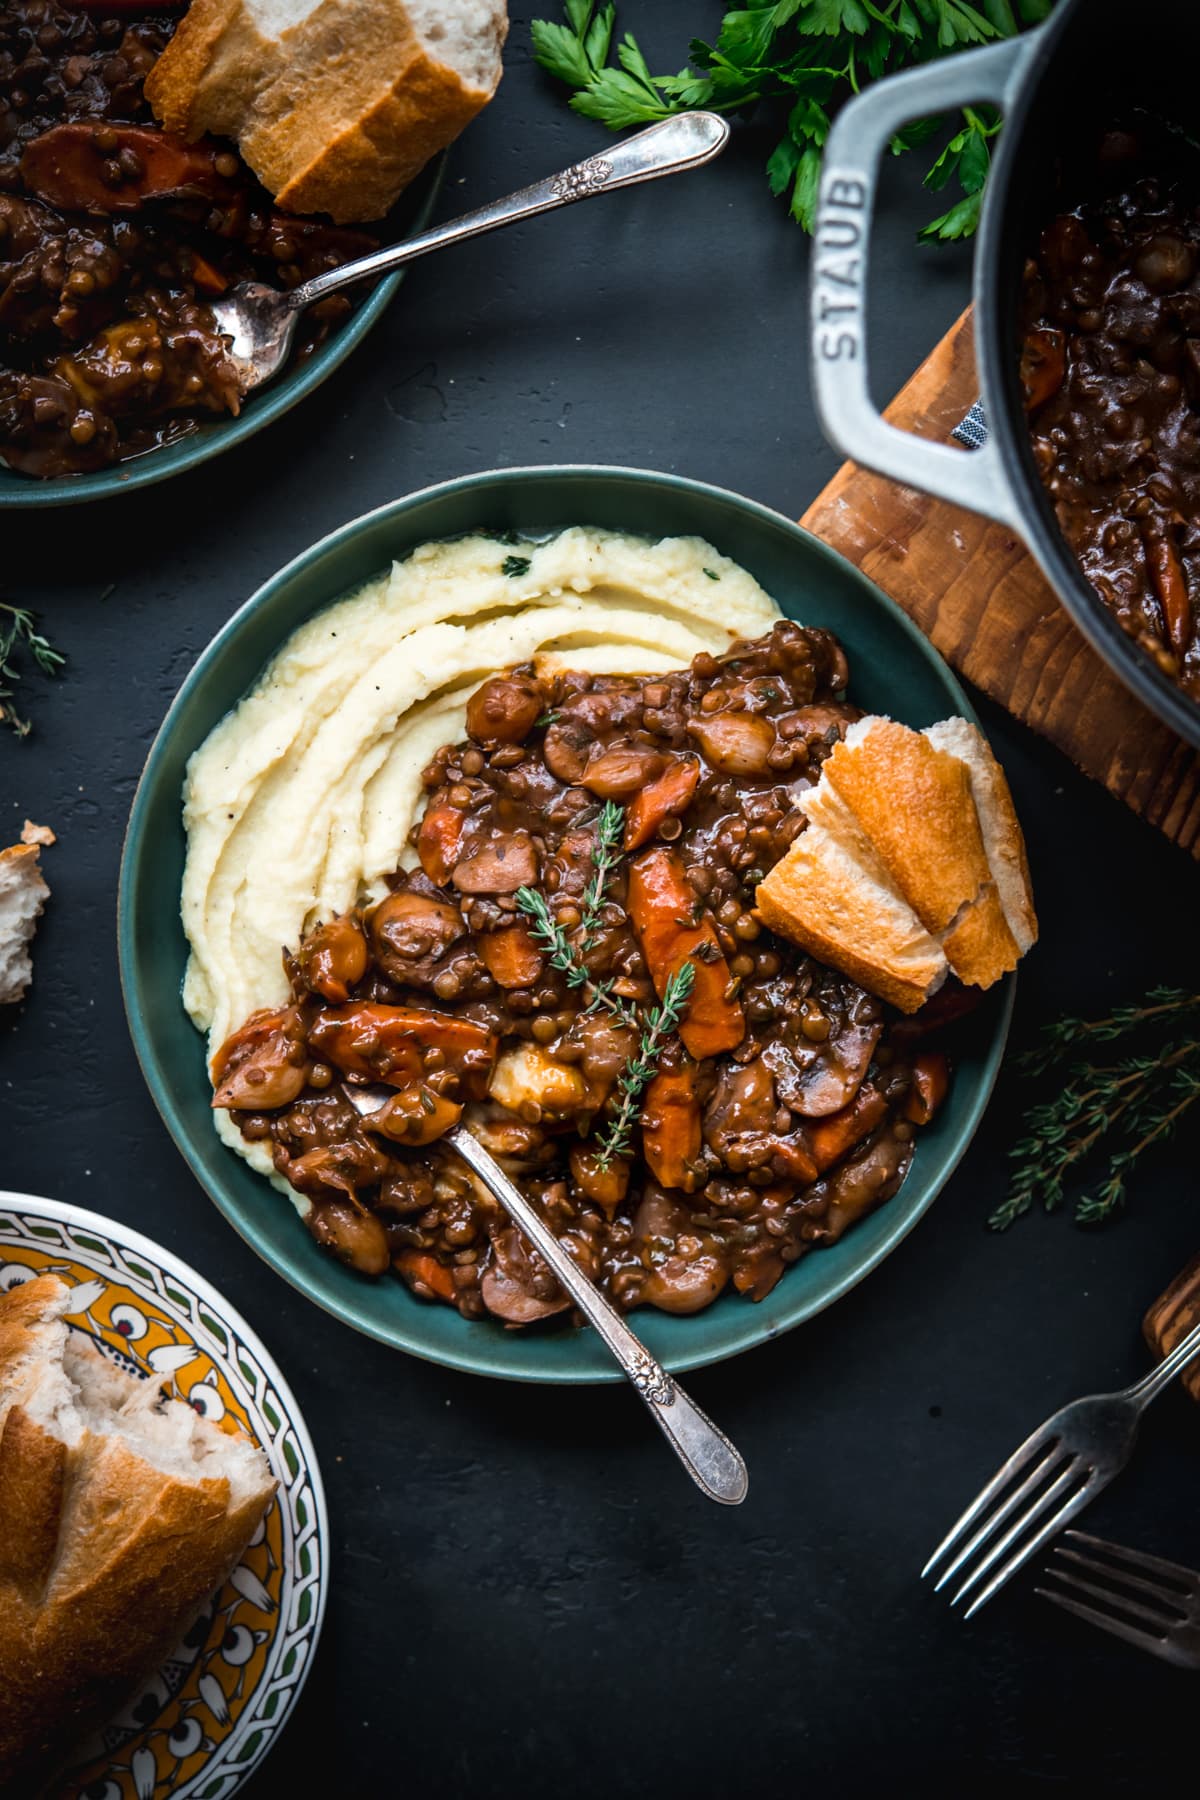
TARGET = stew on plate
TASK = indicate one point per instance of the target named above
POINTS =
(114, 237)
(592, 837)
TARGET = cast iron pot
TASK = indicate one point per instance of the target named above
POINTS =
(1084, 65)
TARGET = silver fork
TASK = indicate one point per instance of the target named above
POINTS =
(1057, 1472)
(1163, 1595)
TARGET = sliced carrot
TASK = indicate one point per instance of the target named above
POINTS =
(1170, 584)
(66, 167)
(671, 1127)
(439, 842)
(660, 800)
(1043, 365)
(206, 276)
(387, 1043)
(931, 1078)
(662, 906)
(419, 1265)
(511, 957)
(830, 1138)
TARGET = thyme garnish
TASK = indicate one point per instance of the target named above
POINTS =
(553, 938)
(1136, 1102)
(606, 854)
(659, 1024)
(20, 631)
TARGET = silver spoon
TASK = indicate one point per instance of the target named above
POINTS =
(260, 321)
(705, 1452)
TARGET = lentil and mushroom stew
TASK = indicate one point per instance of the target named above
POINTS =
(1111, 371)
(113, 236)
(575, 965)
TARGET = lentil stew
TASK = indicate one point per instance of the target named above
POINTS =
(113, 237)
(592, 837)
(1110, 367)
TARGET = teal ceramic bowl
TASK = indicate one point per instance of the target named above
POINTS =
(893, 670)
(260, 409)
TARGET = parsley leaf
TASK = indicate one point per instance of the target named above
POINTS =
(799, 60)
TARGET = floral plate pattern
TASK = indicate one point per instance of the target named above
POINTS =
(216, 1707)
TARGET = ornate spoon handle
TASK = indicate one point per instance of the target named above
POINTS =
(667, 148)
(706, 1453)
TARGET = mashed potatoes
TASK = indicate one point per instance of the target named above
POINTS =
(300, 801)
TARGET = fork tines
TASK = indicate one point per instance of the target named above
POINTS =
(1036, 1492)
(1142, 1599)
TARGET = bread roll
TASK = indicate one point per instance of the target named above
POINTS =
(335, 104)
(121, 1512)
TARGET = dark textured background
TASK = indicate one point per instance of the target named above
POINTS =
(528, 1598)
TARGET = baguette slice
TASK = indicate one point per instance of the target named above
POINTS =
(23, 893)
(120, 1513)
(823, 899)
(914, 803)
(335, 104)
(1002, 837)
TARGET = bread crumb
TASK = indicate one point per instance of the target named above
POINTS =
(23, 893)
(37, 834)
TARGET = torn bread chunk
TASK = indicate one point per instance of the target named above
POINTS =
(927, 820)
(1002, 836)
(23, 893)
(335, 104)
(121, 1512)
(820, 897)
(914, 802)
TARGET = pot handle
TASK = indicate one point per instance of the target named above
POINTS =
(849, 179)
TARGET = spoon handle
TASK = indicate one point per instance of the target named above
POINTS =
(683, 142)
(706, 1453)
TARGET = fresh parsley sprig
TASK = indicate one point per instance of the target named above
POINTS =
(660, 1023)
(18, 630)
(801, 59)
(1136, 1103)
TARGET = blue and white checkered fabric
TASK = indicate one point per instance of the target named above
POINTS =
(972, 431)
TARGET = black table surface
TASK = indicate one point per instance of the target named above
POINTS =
(528, 1597)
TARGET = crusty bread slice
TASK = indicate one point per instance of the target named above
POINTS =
(1002, 836)
(23, 893)
(120, 1513)
(335, 104)
(914, 803)
(819, 896)
(924, 822)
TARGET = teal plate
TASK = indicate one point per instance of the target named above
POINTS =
(260, 409)
(893, 670)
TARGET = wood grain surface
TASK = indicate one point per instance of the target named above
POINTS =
(974, 589)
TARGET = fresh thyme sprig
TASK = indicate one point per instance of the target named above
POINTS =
(660, 1022)
(553, 938)
(1066, 1034)
(606, 854)
(1140, 1099)
(18, 631)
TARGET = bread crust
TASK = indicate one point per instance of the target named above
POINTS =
(914, 804)
(104, 1558)
(337, 115)
(820, 899)
(1003, 838)
(23, 894)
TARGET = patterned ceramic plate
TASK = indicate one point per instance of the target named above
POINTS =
(216, 1707)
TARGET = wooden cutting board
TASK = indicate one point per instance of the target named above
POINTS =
(974, 589)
